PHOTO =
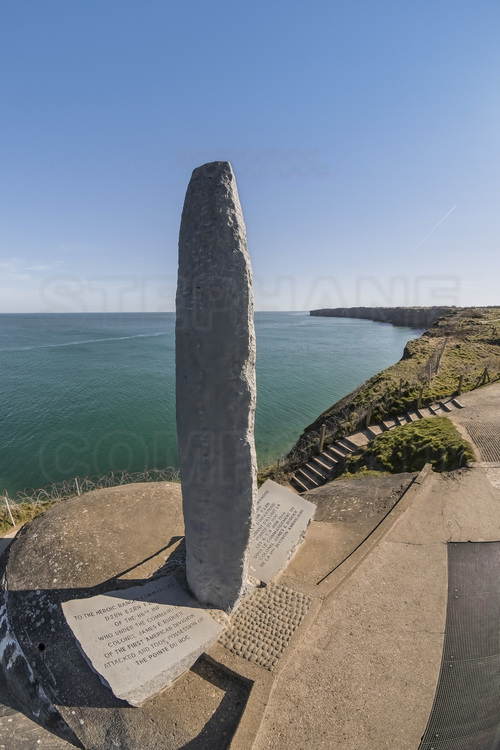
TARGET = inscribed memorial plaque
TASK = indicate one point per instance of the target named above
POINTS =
(281, 521)
(140, 639)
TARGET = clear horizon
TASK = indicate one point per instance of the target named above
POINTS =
(172, 312)
(364, 140)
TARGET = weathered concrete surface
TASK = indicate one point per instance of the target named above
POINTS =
(364, 675)
(359, 501)
(216, 391)
(479, 420)
(103, 541)
(18, 732)
(348, 511)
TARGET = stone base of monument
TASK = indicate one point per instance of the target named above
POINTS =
(102, 644)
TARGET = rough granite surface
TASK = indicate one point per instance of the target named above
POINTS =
(216, 389)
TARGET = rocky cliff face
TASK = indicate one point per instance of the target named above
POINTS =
(459, 346)
(413, 317)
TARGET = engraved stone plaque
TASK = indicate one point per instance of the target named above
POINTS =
(140, 639)
(282, 518)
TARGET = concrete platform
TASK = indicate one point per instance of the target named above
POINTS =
(360, 670)
(365, 674)
(479, 420)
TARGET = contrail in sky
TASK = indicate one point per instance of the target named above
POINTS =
(433, 228)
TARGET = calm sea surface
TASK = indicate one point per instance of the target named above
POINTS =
(86, 394)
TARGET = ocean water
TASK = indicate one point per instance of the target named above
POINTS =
(82, 395)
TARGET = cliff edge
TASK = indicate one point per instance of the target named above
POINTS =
(412, 317)
(458, 352)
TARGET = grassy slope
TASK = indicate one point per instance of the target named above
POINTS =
(435, 440)
(465, 342)
(22, 513)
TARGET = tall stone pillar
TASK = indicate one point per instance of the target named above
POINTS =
(215, 383)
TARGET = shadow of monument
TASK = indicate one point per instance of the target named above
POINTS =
(48, 644)
(220, 728)
(54, 660)
(4, 544)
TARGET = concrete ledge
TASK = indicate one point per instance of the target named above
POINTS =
(331, 582)
(359, 671)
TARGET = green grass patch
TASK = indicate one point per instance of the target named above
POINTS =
(22, 513)
(460, 345)
(434, 440)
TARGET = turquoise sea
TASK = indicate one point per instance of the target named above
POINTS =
(84, 394)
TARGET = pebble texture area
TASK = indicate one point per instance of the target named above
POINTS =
(263, 625)
(486, 435)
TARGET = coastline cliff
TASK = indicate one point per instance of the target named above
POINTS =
(459, 351)
(412, 317)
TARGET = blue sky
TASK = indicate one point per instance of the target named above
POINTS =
(364, 137)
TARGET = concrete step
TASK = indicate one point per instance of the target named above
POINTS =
(298, 485)
(424, 412)
(375, 430)
(358, 439)
(338, 452)
(413, 416)
(457, 403)
(304, 480)
(389, 424)
(326, 461)
(346, 445)
(314, 466)
(308, 474)
(405, 419)
(446, 405)
(437, 409)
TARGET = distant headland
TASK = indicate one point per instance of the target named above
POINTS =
(413, 317)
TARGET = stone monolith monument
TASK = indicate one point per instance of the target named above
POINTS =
(94, 613)
(216, 390)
